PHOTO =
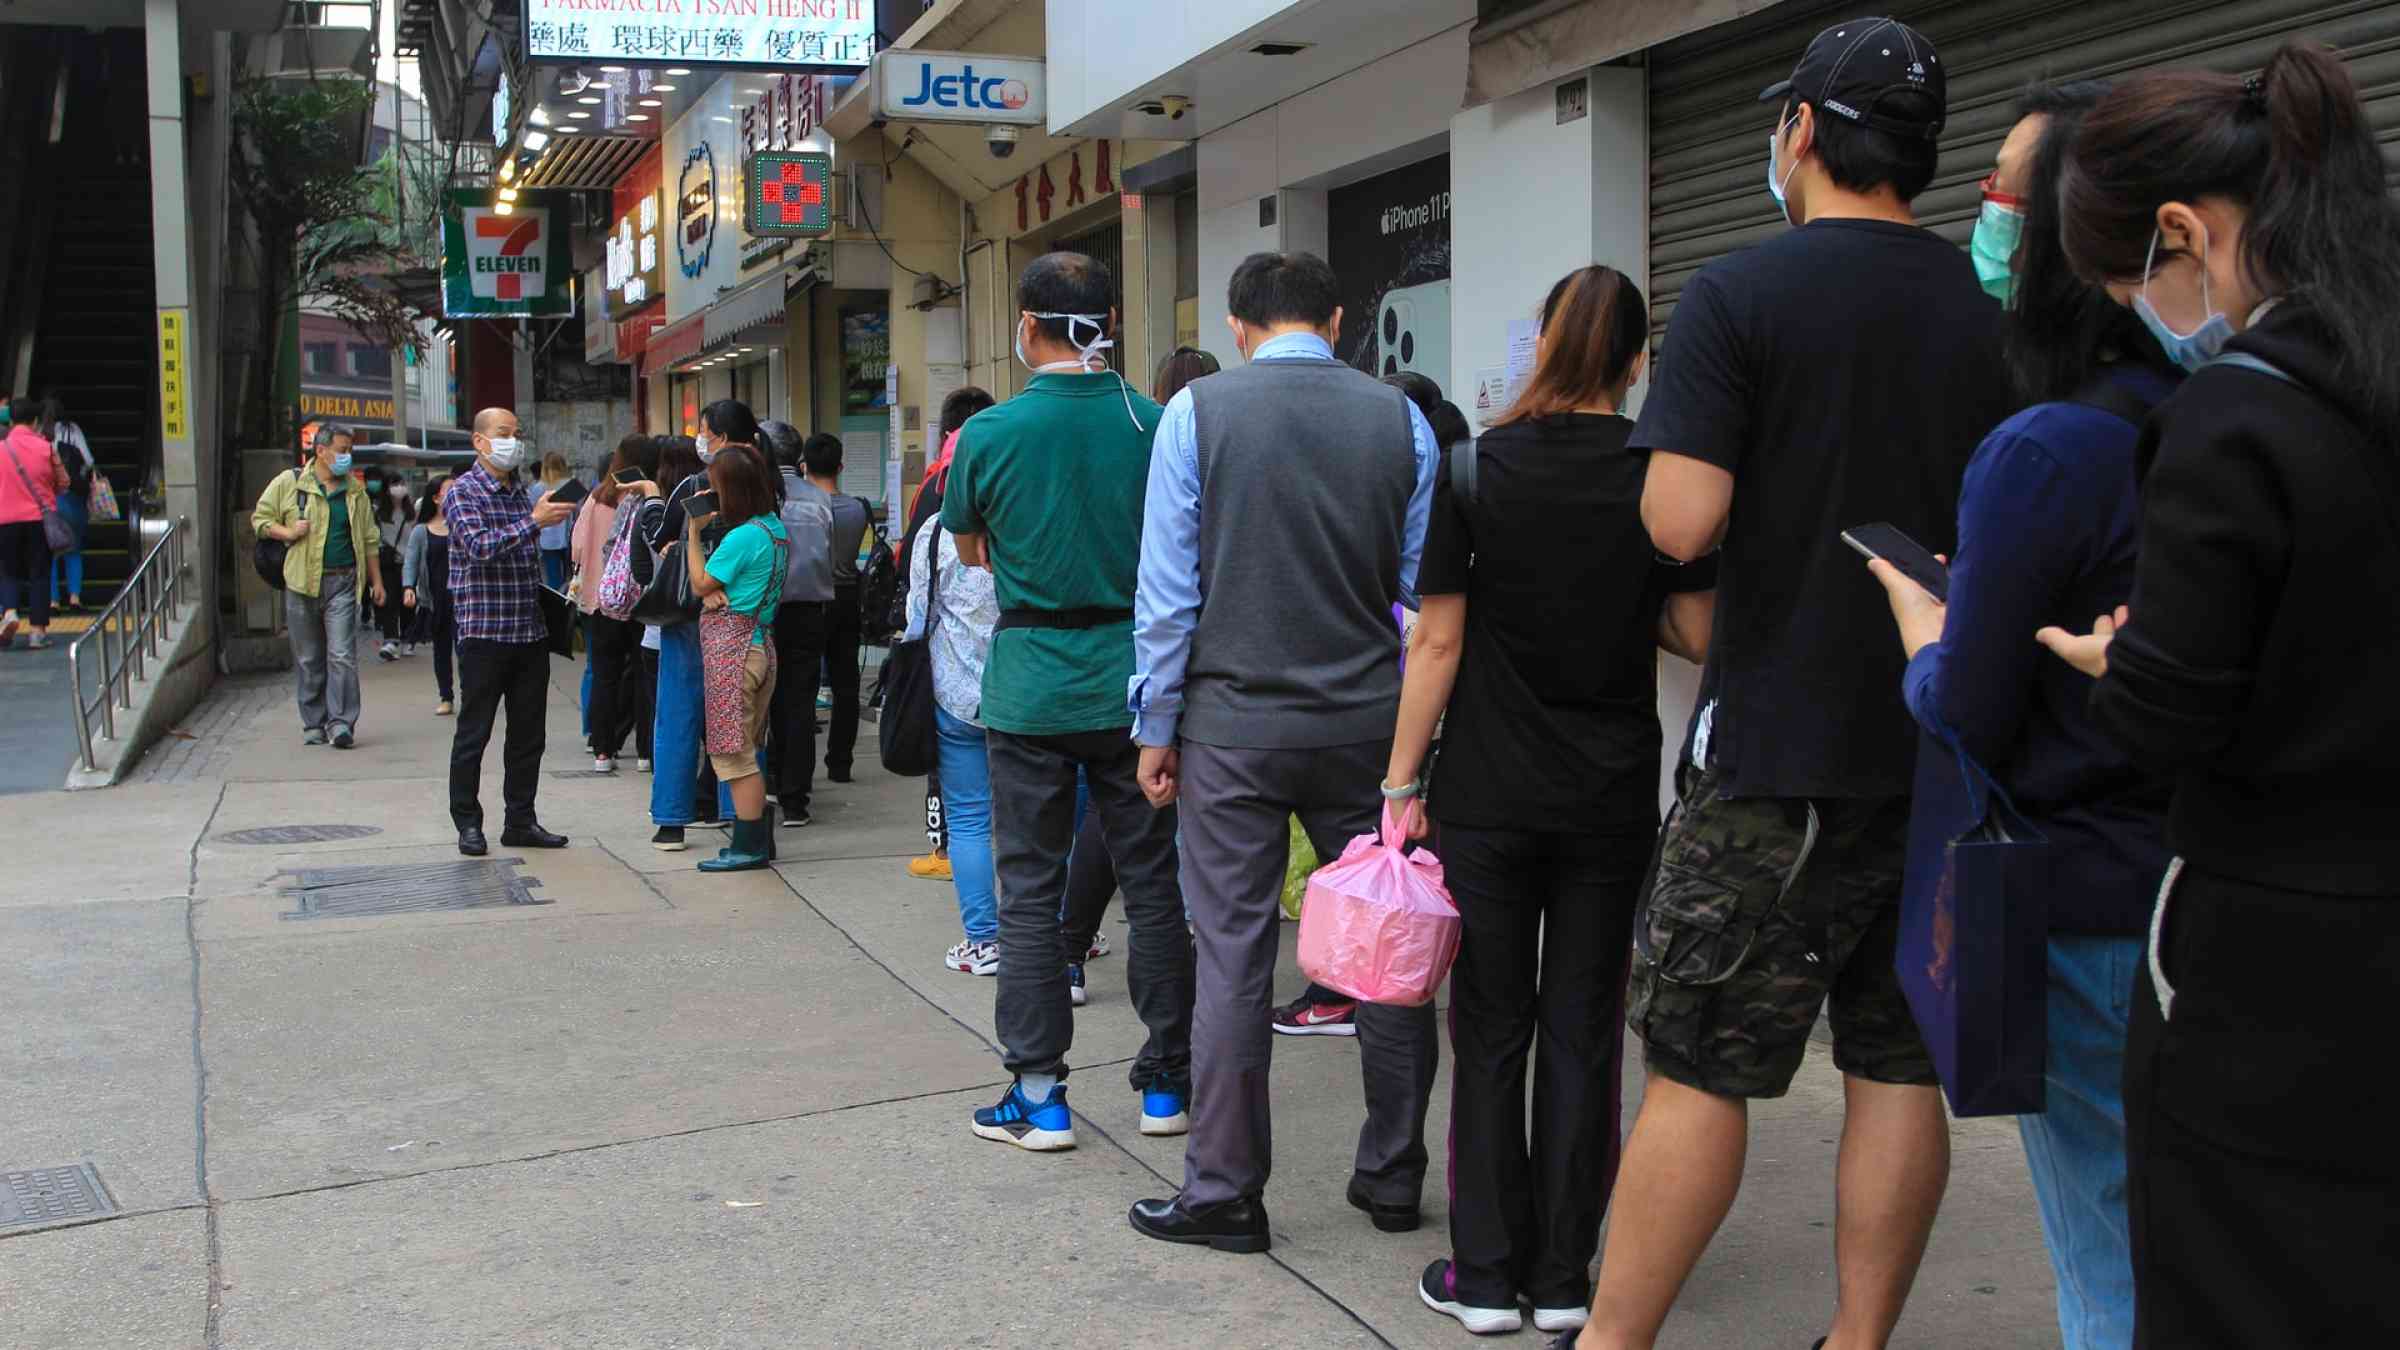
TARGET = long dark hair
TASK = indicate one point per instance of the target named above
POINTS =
(678, 459)
(1595, 322)
(635, 451)
(1182, 366)
(2061, 328)
(2294, 148)
(731, 421)
(431, 502)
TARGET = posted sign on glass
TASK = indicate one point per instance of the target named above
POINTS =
(791, 193)
(832, 35)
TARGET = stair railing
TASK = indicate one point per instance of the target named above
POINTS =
(127, 635)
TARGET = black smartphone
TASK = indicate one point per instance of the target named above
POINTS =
(700, 504)
(629, 475)
(1915, 561)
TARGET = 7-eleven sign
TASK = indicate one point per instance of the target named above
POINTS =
(499, 266)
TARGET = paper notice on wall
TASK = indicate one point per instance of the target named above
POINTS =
(1524, 337)
(891, 492)
(945, 337)
(1491, 394)
(941, 381)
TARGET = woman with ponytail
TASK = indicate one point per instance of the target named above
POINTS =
(1543, 602)
(2247, 222)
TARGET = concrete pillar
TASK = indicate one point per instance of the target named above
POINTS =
(186, 405)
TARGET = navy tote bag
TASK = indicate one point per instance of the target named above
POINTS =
(1973, 955)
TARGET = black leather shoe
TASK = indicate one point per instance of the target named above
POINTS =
(471, 842)
(531, 836)
(1233, 1226)
(1388, 1218)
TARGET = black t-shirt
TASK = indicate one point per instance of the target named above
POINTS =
(1843, 373)
(1554, 722)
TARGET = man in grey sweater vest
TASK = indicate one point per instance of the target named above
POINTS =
(1286, 512)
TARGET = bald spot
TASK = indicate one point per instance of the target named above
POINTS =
(488, 418)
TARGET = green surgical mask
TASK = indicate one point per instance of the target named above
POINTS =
(1994, 248)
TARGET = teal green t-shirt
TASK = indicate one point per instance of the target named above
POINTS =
(338, 552)
(749, 564)
(1054, 479)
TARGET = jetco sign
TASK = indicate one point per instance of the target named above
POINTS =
(915, 86)
(513, 265)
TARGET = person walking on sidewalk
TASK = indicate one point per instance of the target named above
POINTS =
(823, 456)
(29, 485)
(1046, 492)
(503, 647)
(1838, 374)
(75, 502)
(332, 569)
(1286, 514)
(425, 587)
(962, 643)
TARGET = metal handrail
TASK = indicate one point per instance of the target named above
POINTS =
(128, 632)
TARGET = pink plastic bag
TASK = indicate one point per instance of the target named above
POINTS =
(1378, 924)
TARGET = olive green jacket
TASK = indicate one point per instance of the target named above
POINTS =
(294, 493)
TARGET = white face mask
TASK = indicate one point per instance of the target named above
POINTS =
(706, 445)
(1086, 353)
(507, 452)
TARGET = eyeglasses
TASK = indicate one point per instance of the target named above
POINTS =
(1992, 192)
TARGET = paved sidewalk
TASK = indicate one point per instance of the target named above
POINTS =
(658, 1109)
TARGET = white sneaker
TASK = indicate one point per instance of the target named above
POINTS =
(1560, 1319)
(974, 958)
(1433, 1288)
(641, 766)
(408, 649)
(389, 651)
(603, 764)
(1099, 947)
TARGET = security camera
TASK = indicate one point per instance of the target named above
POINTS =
(1000, 140)
(1174, 105)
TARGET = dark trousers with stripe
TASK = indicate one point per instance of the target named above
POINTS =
(1547, 929)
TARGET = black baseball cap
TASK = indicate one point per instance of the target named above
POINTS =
(1852, 68)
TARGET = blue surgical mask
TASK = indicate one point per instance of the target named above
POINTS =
(1775, 185)
(1994, 248)
(341, 464)
(2189, 350)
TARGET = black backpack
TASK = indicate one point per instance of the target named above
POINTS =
(879, 589)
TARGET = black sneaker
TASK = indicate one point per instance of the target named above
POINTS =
(1301, 1017)
(795, 819)
(669, 839)
(1437, 1288)
(341, 739)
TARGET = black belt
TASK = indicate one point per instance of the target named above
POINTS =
(1087, 617)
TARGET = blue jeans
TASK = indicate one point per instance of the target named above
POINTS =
(675, 741)
(967, 809)
(78, 511)
(554, 568)
(2076, 1148)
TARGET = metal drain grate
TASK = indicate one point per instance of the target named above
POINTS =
(408, 888)
(53, 1195)
(297, 834)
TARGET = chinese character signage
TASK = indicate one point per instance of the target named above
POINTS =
(791, 193)
(174, 376)
(832, 35)
(636, 268)
(501, 266)
(786, 114)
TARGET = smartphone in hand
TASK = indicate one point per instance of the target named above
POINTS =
(1912, 559)
(629, 475)
(700, 504)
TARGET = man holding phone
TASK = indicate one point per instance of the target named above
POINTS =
(503, 647)
(1838, 374)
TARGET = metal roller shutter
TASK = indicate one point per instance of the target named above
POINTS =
(1707, 166)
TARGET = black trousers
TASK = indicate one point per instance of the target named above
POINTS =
(621, 691)
(800, 629)
(490, 673)
(391, 617)
(1033, 826)
(2262, 1185)
(841, 673)
(25, 571)
(1091, 884)
(440, 629)
(1547, 928)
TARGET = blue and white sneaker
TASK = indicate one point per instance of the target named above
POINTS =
(1165, 1108)
(1043, 1127)
(1076, 993)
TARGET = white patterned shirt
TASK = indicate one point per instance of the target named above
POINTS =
(962, 640)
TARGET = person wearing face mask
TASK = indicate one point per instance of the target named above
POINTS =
(1841, 373)
(1045, 492)
(334, 566)
(1286, 512)
(2046, 535)
(2248, 223)
(502, 641)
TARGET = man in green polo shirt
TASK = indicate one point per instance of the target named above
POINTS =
(1047, 490)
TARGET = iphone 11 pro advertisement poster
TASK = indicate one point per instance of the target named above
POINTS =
(1388, 238)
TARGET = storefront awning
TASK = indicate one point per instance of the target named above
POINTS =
(674, 343)
(760, 302)
(1552, 41)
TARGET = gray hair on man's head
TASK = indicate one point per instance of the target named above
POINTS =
(332, 431)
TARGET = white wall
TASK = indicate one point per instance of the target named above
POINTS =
(1101, 50)
(715, 117)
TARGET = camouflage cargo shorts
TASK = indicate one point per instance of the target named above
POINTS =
(1757, 911)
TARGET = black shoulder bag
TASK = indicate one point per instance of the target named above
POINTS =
(911, 742)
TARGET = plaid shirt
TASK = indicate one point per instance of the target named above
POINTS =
(495, 559)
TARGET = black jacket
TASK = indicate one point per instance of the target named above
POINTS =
(2262, 666)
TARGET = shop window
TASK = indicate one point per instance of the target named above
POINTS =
(320, 358)
(370, 363)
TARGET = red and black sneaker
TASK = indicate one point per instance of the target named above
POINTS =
(1305, 1016)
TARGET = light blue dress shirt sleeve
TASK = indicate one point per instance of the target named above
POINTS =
(1420, 505)
(1166, 597)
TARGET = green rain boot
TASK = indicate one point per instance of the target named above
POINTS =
(747, 852)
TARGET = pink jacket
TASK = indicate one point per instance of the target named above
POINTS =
(593, 524)
(41, 466)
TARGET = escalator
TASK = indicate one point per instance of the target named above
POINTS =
(90, 297)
